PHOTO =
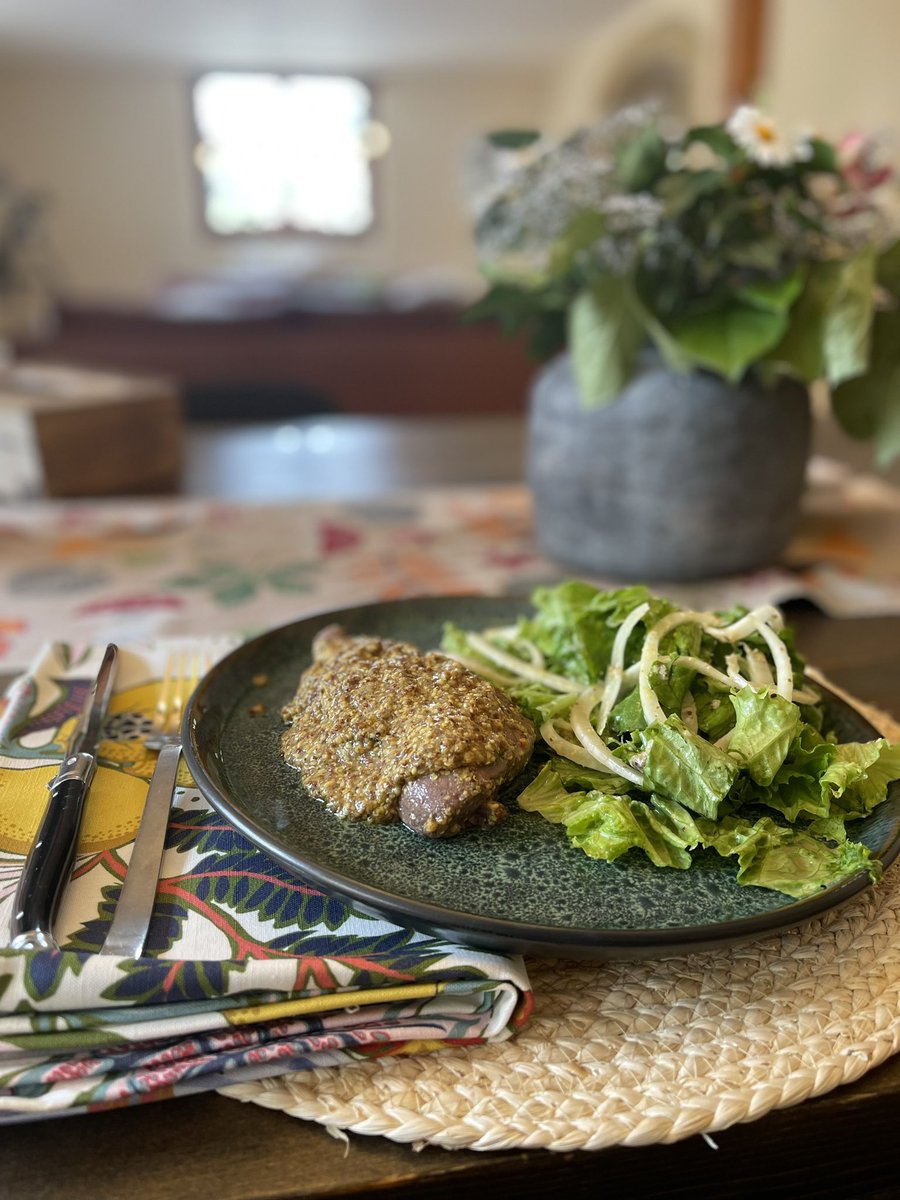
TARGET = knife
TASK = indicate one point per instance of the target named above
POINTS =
(49, 860)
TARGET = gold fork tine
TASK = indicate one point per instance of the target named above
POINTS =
(128, 929)
(168, 692)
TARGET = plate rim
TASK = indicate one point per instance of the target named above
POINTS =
(488, 932)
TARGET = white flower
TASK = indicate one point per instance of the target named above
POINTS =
(763, 141)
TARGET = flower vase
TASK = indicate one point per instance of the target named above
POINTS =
(683, 476)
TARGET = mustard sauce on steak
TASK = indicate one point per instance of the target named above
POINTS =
(381, 732)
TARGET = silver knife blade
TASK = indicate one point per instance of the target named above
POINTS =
(49, 860)
(86, 734)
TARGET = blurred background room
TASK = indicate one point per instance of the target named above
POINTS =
(263, 346)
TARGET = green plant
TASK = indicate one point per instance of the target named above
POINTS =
(729, 247)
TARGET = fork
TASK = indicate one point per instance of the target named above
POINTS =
(131, 920)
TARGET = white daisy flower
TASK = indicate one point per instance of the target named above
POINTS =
(763, 141)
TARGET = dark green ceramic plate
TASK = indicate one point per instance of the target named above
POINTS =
(517, 887)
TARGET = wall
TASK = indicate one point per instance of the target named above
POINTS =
(831, 65)
(686, 38)
(112, 143)
(112, 146)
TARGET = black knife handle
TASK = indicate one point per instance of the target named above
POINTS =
(47, 867)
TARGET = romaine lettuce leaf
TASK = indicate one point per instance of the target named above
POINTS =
(787, 860)
(797, 787)
(605, 827)
(627, 716)
(715, 716)
(604, 822)
(671, 681)
(880, 765)
(575, 777)
(547, 795)
(685, 767)
(575, 625)
(541, 703)
(692, 792)
(765, 726)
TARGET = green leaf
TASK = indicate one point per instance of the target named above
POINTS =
(513, 139)
(828, 333)
(869, 406)
(773, 295)
(685, 767)
(582, 231)
(641, 160)
(575, 625)
(786, 860)
(760, 254)
(605, 335)
(682, 189)
(606, 826)
(765, 726)
(823, 157)
(672, 681)
(848, 320)
(715, 716)
(879, 761)
(717, 138)
(675, 355)
(800, 352)
(730, 339)
(547, 796)
(797, 789)
(513, 305)
(887, 269)
(628, 715)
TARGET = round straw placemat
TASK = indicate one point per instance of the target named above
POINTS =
(629, 1053)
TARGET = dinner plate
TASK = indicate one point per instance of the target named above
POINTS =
(518, 887)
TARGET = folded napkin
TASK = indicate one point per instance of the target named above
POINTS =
(248, 971)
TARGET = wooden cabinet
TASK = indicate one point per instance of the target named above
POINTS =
(426, 361)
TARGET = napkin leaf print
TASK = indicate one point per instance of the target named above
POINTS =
(396, 955)
(156, 979)
(45, 970)
(165, 929)
(203, 831)
(242, 883)
(237, 876)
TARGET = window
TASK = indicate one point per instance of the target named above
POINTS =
(286, 152)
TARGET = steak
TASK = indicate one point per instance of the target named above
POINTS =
(382, 732)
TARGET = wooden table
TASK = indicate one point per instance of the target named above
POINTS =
(842, 1144)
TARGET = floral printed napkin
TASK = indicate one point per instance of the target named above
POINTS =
(248, 970)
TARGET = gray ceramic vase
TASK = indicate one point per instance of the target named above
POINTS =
(682, 476)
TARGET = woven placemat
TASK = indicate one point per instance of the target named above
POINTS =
(632, 1053)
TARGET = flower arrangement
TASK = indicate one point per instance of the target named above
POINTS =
(736, 248)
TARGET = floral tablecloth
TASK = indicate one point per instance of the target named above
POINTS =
(135, 570)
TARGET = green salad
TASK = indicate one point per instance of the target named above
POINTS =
(672, 731)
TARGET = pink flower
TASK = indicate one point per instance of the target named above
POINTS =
(857, 162)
